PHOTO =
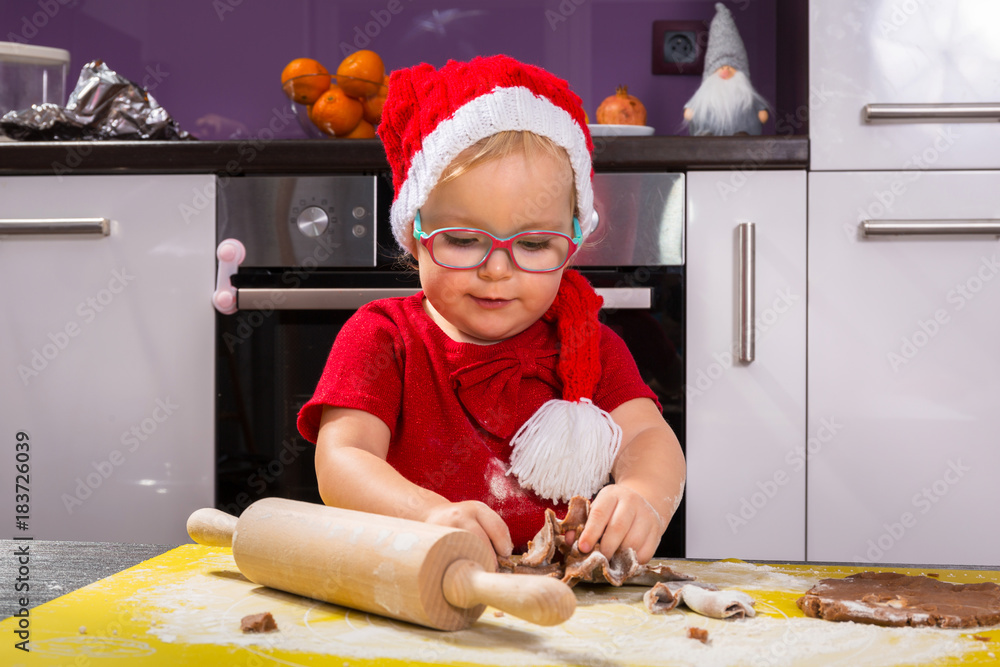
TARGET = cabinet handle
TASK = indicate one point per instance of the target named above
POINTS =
(346, 298)
(927, 227)
(747, 276)
(933, 113)
(56, 226)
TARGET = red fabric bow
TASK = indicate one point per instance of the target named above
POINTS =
(495, 393)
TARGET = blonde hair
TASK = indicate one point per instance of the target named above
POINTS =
(509, 142)
(495, 147)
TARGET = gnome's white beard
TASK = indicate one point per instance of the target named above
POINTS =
(720, 103)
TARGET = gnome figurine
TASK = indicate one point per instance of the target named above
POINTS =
(725, 102)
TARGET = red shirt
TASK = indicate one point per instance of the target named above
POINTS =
(452, 408)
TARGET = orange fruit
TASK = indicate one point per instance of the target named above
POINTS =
(366, 65)
(373, 105)
(304, 90)
(335, 112)
(364, 130)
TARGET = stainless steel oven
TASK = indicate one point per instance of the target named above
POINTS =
(298, 255)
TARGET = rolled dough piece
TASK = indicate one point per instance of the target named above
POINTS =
(702, 599)
(660, 599)
(717, 604)
(892, 599)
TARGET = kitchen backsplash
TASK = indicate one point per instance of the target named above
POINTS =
(215, 64)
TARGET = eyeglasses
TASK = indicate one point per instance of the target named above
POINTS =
(534, 251)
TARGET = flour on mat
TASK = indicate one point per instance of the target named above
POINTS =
(747, 576)
(207, 608)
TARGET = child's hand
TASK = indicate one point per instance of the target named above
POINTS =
(621, 518)
(477, 518)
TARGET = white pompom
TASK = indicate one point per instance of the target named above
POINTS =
(566, 449)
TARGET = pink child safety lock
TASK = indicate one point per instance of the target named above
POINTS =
(231, 254)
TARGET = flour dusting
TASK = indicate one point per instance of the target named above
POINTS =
(502, 485)
(747, 576)
(610, 628)
(404, 541)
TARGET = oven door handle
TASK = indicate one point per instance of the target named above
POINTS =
(346, 298)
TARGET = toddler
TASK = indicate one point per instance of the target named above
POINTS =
(494, 393)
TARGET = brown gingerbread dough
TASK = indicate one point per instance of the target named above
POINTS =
(892, 599)
(550, 554)
(701, 634)
(262, 622)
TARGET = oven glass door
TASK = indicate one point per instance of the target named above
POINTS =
(270, 358)
(318, 247)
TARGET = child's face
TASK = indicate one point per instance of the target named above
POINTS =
(503, 197)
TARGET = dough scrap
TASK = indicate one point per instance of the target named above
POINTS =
(542, 549)
(595, 568)
(701, 634)
(893, 599)
(262, 622)
(549, 554)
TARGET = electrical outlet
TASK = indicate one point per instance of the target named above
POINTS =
(679, 47)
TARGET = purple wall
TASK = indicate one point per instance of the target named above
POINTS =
(215, 65)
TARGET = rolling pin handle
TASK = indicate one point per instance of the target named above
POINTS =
(541, 600)
(211, 527)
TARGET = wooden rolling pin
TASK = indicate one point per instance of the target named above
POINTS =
(422, 573)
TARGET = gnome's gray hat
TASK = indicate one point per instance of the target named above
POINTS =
(724, 44)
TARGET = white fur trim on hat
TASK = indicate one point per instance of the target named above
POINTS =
(502, 109)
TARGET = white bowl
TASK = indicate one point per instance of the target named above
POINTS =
(599, 130)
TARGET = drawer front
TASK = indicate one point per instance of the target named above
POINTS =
(108, 336)
(908, 52)
(903, 361)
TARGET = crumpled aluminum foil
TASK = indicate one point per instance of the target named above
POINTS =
(103, 105)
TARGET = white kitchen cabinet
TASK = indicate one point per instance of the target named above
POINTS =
(745, 428)
(108, 348)
(903, 52)
(904, 367)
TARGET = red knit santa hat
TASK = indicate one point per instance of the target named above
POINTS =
(568, 446)
(430, 116)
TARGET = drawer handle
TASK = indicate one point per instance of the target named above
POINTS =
(747, 277)
(929, 227)
(348, 298)
(56, 226)
(933, 113)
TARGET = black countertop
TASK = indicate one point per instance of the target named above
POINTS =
(57, 568)
(253, 156)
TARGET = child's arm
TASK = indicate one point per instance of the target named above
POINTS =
(649, 476)
(352, 473)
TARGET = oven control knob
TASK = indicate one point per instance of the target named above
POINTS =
(313, 221)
